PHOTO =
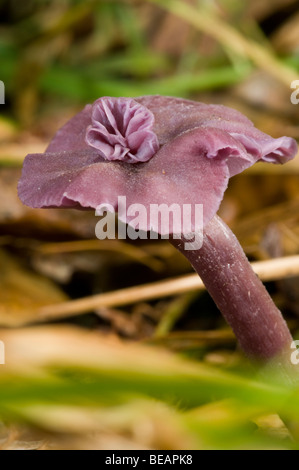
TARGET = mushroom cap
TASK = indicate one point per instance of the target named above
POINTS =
(153, 150)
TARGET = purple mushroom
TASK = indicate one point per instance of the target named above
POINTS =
(169, 152)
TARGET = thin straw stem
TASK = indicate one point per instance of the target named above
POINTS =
(271, 270)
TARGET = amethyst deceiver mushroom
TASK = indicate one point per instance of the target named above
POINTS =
(164, 150)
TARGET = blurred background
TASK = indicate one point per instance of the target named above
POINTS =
(163, 374)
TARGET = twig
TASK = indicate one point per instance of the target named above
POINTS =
(272, 270)
(117, 246)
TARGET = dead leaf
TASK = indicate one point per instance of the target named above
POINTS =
(22, 291)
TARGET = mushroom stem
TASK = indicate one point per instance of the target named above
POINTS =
(239, 294)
